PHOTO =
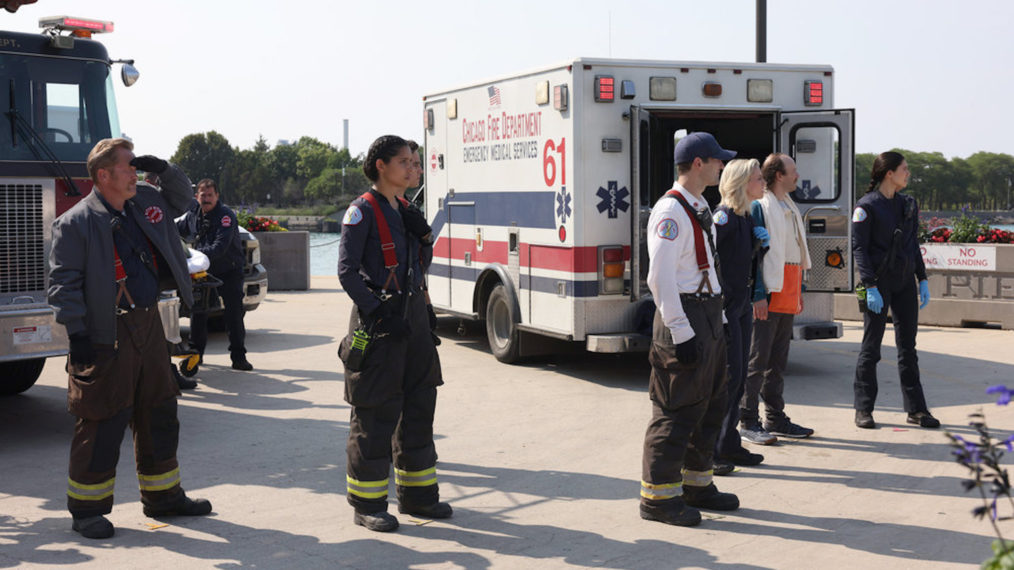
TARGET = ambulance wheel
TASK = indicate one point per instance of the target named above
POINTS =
(501, 328)
(19, 375)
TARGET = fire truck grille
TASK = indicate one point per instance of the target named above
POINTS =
(22, 243)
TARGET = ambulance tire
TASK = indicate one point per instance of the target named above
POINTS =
(501, 326)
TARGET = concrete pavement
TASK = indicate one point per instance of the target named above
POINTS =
(540, 461)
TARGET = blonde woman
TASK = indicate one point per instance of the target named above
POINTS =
(738, 242)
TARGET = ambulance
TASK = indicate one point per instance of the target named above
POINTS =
(539, 186)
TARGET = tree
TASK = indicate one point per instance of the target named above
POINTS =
(206, 155)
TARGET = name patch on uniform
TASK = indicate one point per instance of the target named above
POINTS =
(352, 216)
(667, 229)
(226, 221)
(859, 215)
(154, 214)
(721, 218)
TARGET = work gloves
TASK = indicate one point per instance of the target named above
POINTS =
(686, 352)
(874, 302)
(924, 296)
(82, 354)
(415, 223)
(149, 163)
(385, 321)
(762, 236)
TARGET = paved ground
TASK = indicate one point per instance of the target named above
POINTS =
(541, 463)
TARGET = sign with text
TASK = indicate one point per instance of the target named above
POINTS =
(959, 257)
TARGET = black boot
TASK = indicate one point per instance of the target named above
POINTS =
(674, 512)
(93, 527)
(710, 498)
(434, 511)
(182, 506)
(379, 522)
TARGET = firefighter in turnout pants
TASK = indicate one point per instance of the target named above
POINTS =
(112, 254)
(688, 355)
(391, 366)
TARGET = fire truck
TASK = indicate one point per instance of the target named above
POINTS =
(539, 186)
(56, 94)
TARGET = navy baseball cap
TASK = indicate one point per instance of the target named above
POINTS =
(700, 145)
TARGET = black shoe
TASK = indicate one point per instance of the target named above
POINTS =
(185, 383)
(710, 498)
(786, 428)
(242, 364)
(865, 420)
(93, 527)
(754, 433)
(379, 522)
(434, 511)
(675, 512)
(923, 419)
(722, 468)
(183, 506)
(743, 457)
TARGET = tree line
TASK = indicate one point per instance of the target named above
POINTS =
(980, 182)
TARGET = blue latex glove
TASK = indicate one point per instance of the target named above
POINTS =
(762, 234)
(874, 301)
(924, 296)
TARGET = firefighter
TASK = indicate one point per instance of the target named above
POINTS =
(885, 244)
(217, 236)
(688, 383)
(391, 382)
(112, 253)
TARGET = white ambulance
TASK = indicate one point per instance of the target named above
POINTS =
(539, 186)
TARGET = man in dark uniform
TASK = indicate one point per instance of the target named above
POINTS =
(217, 236)
(392, 384)
(112, 254)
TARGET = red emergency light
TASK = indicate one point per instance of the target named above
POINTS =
(605, 89)
(79, 27)
(813, 93)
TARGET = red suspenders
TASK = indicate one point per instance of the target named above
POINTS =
(386, 242)
(702, 256)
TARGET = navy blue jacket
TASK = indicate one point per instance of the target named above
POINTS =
(873, 223)
(217, 237)
(361, 267)
(735, 251)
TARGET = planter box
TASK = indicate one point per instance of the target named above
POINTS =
(970, 284)
(286, 256)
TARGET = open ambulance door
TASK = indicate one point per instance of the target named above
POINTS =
(822, 144)
(640, 199)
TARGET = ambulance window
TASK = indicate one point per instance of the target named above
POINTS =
(815, 150)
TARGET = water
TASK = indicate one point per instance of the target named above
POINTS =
(324, 253)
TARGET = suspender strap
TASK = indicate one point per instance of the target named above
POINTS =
(386, 242)
(121, 279)
(702, 256)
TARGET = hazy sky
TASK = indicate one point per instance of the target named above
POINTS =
(928, 75)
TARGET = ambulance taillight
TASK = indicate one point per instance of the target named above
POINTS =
(605, 89)
(611, 269)
(813, 93)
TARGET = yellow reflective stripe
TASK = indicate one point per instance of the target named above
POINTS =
(159, 482)
(423, 478)
(662, 491)
(95, 492)
(366, 489)
(697, 478)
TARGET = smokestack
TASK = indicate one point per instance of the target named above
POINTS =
(345, 134)
(762, 31)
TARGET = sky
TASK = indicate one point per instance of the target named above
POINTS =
(925, 75)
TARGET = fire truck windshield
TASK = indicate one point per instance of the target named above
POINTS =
(68, 102)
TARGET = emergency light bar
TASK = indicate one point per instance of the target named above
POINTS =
(79, 27)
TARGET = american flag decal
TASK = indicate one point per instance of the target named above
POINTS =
(494, 95)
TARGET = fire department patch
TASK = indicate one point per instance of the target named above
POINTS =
(352, 216)
(667, 229)
(859, 215)
(154, 214)
(721, 218)
(226, 221)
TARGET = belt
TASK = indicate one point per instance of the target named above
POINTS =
(128, 310)
(700, 296)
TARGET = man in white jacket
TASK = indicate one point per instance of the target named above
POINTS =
(778, 298)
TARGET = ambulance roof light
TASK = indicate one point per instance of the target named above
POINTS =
(80, 27)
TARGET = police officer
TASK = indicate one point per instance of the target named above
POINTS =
(886, 249)
(217, 236)
(687, 385)
(392, 383)
(112, 253)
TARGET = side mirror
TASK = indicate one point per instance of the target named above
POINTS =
(129, 74)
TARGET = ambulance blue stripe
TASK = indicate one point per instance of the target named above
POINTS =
(537, 284)
(526, 209)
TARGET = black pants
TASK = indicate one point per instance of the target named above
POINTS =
(904, 304)
(740, 315)
(688, 404)
(765, 378)
(231, 293)
(393, 399)
(131, 385)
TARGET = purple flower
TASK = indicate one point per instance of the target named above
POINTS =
(1004, 394)
(1009, 442)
